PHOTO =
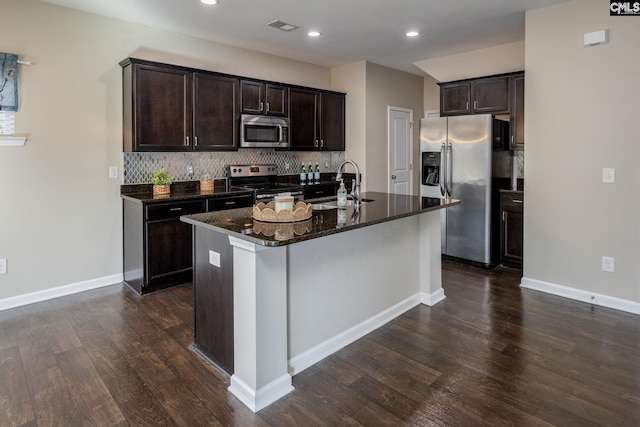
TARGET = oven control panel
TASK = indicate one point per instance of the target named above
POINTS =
(236, 171)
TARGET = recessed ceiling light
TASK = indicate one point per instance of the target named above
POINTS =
(313, 33)
(413, 34)
(209, 1)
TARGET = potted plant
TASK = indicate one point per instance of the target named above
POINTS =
(161, 181)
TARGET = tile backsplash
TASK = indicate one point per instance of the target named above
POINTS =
(138, 167)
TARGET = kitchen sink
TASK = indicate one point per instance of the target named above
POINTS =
(333, 204)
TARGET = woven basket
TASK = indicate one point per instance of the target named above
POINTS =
(206, 185)
(161, 190)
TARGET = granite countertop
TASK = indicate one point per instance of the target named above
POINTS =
(180, 191)
(187, 190)
(506, 190)
(384, 207)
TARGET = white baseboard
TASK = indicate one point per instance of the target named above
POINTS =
(432, 299)
(580, 295)
(263, 397)
(308, 358)
(47, 294)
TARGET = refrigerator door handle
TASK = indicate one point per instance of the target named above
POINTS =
(443, 172)
(449, 169)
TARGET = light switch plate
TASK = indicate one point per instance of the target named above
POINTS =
(113, 172)
(214, 258)
(608, 175)
(3, 266)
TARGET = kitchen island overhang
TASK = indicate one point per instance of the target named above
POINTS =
(303, 291)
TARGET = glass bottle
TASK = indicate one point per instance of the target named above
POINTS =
(303, 174)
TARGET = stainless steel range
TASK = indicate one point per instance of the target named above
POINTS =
(263, 179)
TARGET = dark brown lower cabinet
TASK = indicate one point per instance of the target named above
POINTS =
(511, 228)
(157, 245)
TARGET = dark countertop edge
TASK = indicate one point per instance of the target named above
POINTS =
(506, 190)
(251, 239)
(149, 198)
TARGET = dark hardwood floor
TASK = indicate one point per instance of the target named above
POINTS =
(490, 354)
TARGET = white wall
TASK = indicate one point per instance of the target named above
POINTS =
(581, 115)
(60, 217)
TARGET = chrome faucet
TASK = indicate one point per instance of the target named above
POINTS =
(355, 188)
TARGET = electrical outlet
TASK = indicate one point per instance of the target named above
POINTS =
(190, 169)
(607, 264)
(609, 175)
(3, 266)
(287, 166)
(326, 165)
(214, 258)
(113, 172)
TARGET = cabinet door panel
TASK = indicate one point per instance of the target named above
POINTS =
(162, 108)
(277, 100)
(517, 112)
(168, 248)
(303, 115)
(332, 119)
(455, 99)
(490, 95)
(251, 97)
(215, 112)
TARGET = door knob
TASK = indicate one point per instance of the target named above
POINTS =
(393, 177)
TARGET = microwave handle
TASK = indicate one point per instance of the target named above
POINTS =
(280, 134)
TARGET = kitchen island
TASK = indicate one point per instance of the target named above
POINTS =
(301, 291)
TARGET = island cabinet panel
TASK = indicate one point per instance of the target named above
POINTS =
(317, 120)
(263, 98)
(511, 228)
(213, 299)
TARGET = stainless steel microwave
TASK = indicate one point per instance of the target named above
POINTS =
(264, 131)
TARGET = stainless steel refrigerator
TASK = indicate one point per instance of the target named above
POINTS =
(463, 157)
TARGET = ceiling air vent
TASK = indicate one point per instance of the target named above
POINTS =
(282, 25)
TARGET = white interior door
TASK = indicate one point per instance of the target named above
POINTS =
(400, 150)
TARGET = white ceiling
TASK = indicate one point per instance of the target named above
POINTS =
(352, 30)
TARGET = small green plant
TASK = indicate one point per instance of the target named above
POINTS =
(161, 177)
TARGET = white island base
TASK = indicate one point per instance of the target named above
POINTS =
(296, 304)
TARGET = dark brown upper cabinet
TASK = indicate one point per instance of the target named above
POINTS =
(516, 89)
(215, 112)
(263, 98)
(475, 96)
(317, 120)
(170, 108)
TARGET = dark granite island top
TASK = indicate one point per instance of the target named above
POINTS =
(383, 207)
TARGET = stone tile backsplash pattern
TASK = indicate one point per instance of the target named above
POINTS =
(138, 167)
